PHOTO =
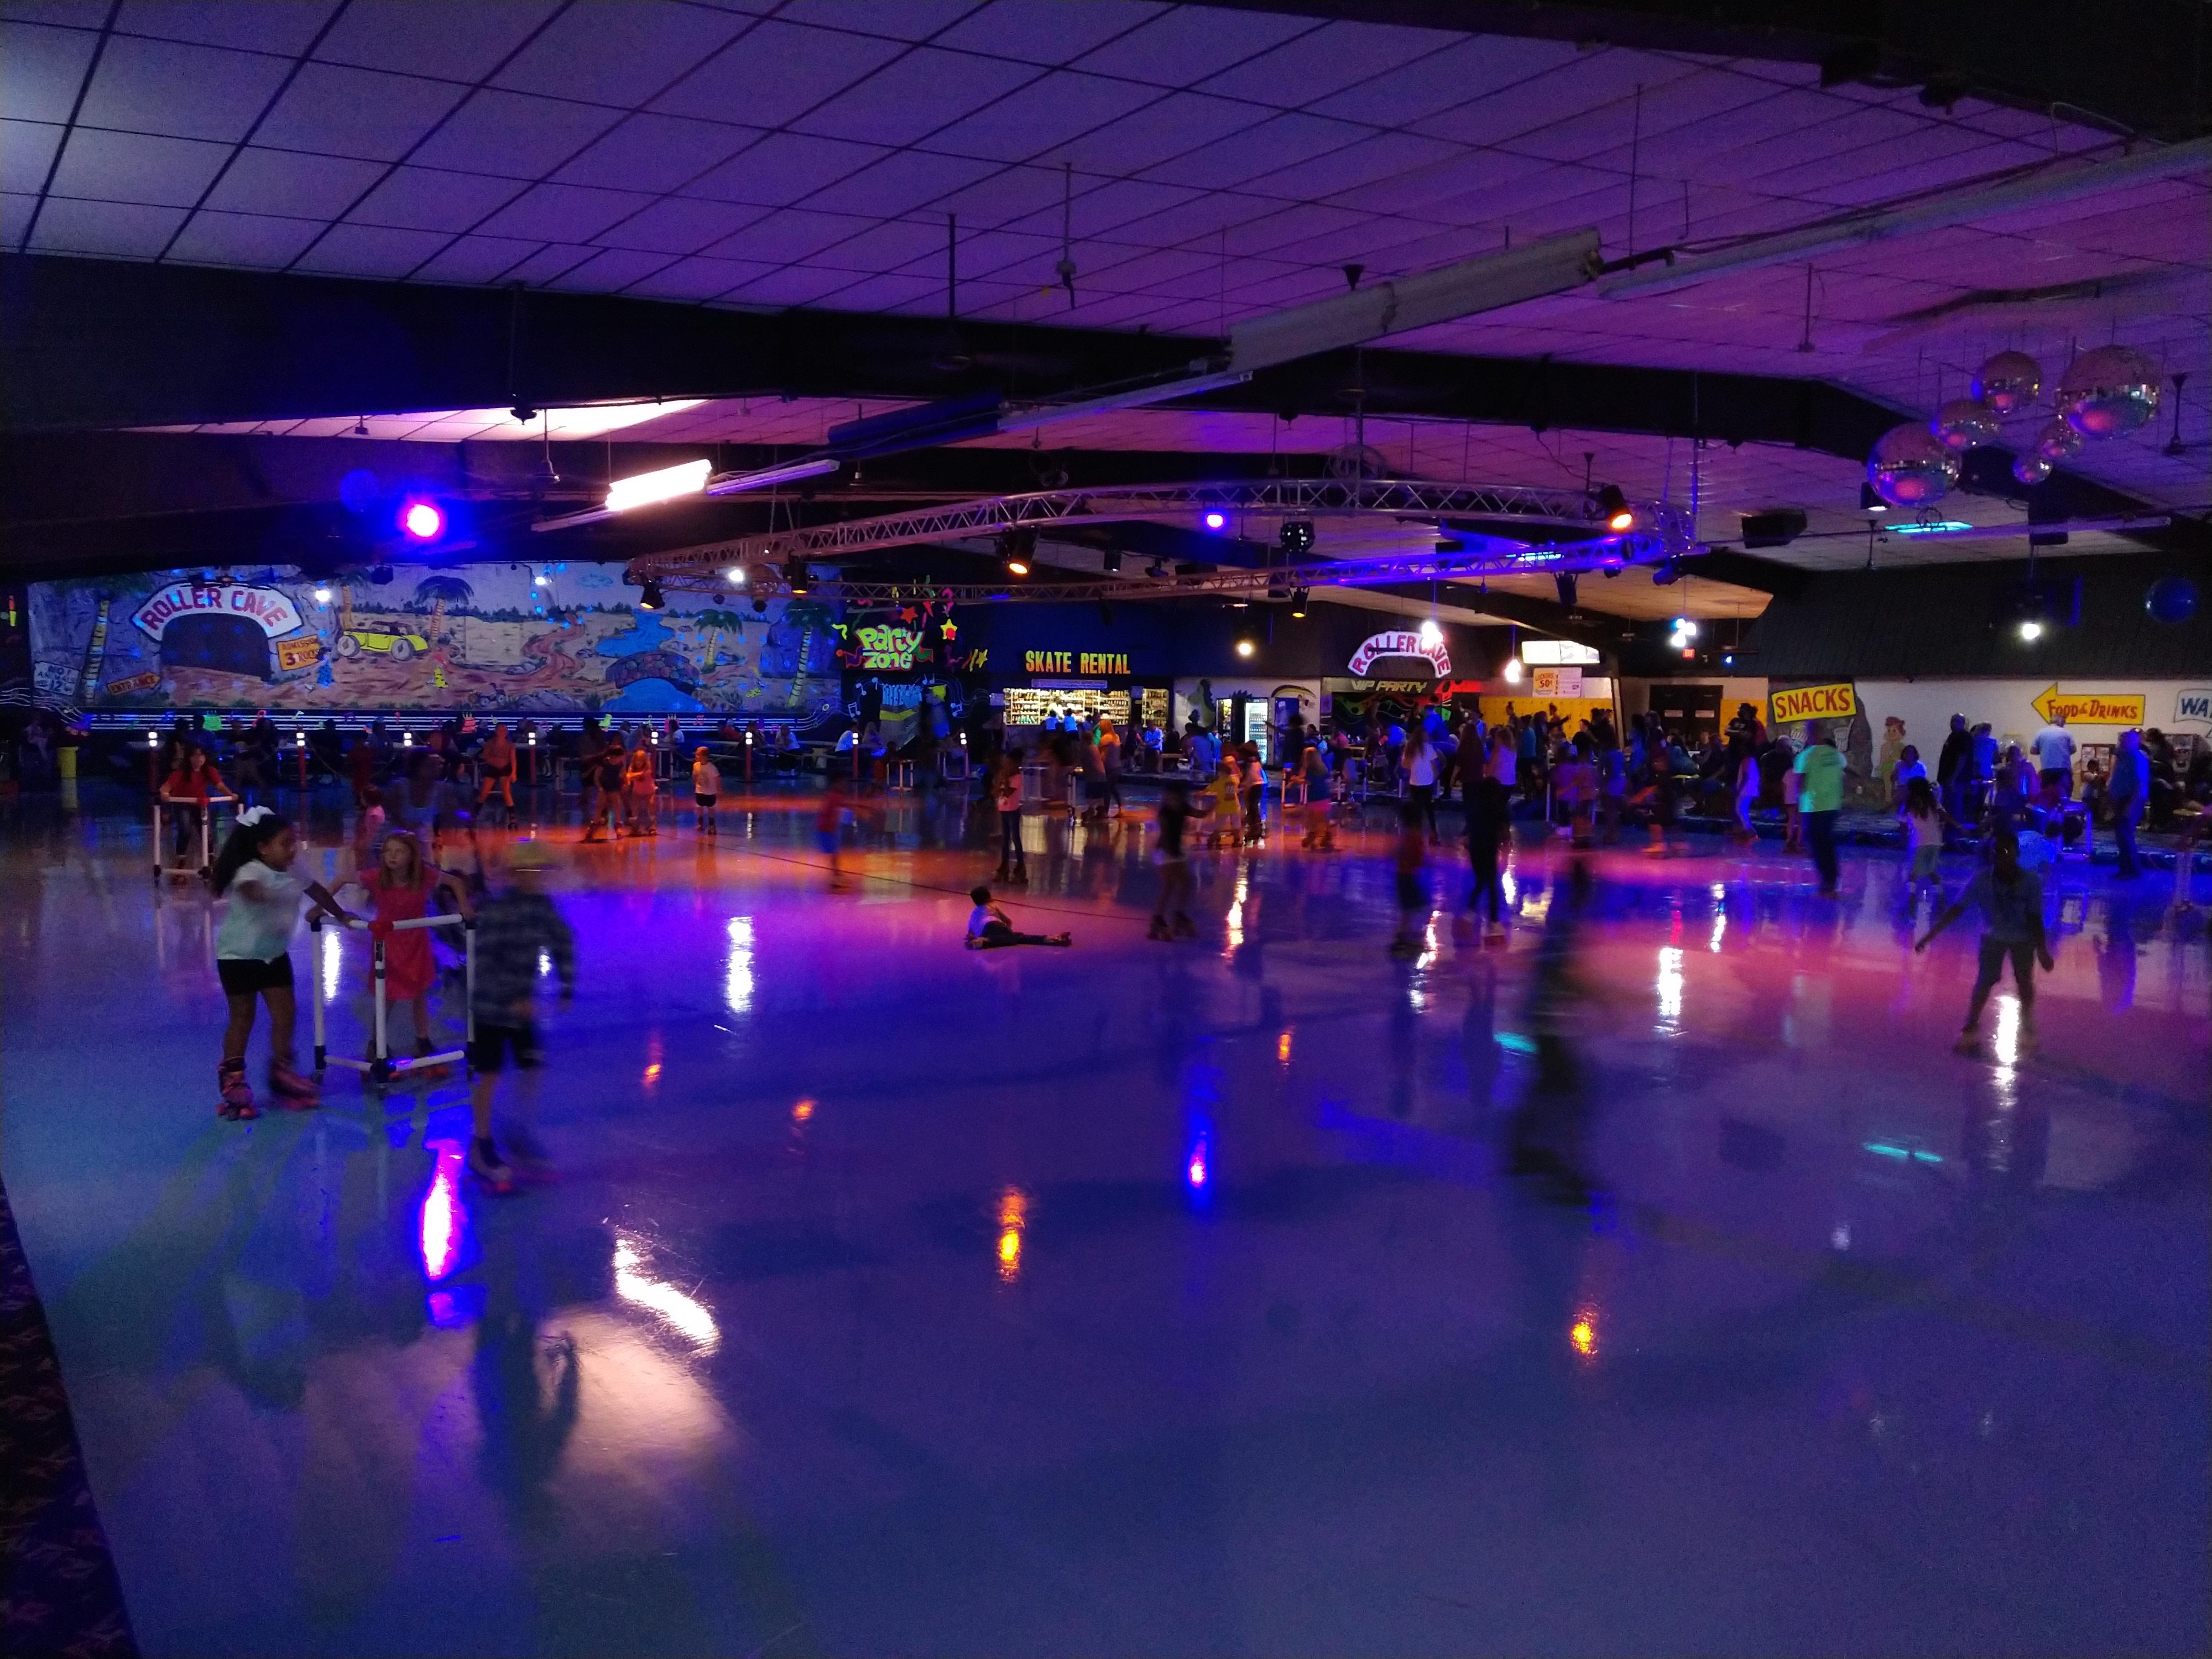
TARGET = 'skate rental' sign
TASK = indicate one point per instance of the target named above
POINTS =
(1402, 642)
(1088, 663)
(266, 607)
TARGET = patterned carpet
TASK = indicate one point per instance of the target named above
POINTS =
(58, 1593)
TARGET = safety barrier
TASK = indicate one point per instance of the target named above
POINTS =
(206, 811)
(379, 1067)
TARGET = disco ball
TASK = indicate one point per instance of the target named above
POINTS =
(2058, 442)
(1909, 468)
(2031, 468)
(2171, 600)
(2108, 393)
(2009, 382)
(1963, 424)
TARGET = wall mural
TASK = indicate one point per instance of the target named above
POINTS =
(555, 639)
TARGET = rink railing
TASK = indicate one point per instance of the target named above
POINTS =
(379, 1067)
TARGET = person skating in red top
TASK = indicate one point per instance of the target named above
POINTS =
(399, 889)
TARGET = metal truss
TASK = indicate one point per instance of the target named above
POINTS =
(1661, 530)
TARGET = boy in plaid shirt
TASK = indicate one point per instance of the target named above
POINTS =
(512, 929)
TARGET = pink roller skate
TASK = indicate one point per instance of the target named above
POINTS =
(237, 1101)
(294, 1093)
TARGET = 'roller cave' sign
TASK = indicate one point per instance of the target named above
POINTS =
(1402, 642)
(266, 607)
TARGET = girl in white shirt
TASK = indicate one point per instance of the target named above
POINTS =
(253, 955)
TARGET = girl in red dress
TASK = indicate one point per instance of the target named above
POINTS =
(399, 889)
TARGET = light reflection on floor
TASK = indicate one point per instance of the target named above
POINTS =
(1140, 1297)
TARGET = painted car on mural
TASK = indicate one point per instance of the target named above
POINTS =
(398, 647)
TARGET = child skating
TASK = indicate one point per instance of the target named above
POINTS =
(829, 827)
(512, 928)
(400, 887)
(1412, 865)
(253, 955)
(706, 790)
(989, 928)
(2011, 903)
(1171, 915)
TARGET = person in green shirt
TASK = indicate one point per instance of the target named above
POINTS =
(1819, 803)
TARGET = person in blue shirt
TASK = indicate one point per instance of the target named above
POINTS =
(2010, 899)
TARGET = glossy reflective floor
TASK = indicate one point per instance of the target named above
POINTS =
(1141, 1298)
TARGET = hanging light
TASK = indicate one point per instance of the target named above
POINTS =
(795, 577)
(1432, 635)
(650, 598)
(1619, 515)
(1298, 602)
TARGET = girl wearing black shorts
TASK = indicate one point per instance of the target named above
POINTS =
(253, 955)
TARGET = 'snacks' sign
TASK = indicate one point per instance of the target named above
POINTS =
(266, 607)
(1812, 702)
(1402, 642)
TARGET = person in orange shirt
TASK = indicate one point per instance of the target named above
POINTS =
(194, 780)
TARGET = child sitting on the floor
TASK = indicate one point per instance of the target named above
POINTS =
(989, 927)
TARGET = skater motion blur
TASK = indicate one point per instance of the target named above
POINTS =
(2011, 903)
(512, 928)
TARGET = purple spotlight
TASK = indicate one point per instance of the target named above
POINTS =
(425, 521)
(1216, 520)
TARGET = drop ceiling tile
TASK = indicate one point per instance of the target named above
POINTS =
(1287, 140)
(1358, 166)
(335, 111)
(782, 168)
(1451, 191)
(371, 251)
(1004, 254)
(286, 182)
(1326, 60)
(1591, 78)
(902, 20)
(1442, 80)
(610, 271)
(884, 292)
(40, 70)
(619, 55)
(914, 95)
(1045, 30)
(680, 225)
(252, 240)
(475, 259)
(179, 91)
(85, 15)
(27, 152)
(698, 279)
(884, 247)
(1189, 43)
(1171, 127)
(283, 27)
(1004, 195)
(511, 133)
(784, 237)
(1198, 221)
(431, 198)
(795, 285)
(563, 213)
(124, 167)
(122, 229)
(1706, 101)
(1142, 272)
(1033, 120)
(773, 73)
(900, 183)
(1103, 210)
(458, 42)
(656, 153)
(1293, 228)
(550, 264)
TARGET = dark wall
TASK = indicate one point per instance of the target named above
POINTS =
(1963, 620)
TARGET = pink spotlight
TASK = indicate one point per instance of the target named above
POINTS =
(423, 521)
(1215, 520)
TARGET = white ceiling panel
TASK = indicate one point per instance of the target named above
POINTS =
(698, 279)
(914, 95)
(773, 73)
(782, 168)
(1443, 79)
(1159, 132)
(795, 285)
(1104, 209)
(41, 70)
(120, 229)
(370, 251)
(1588, 80)
(27, 155)
(901, 183)
(286, 182)
(790, 234)
(1325, 60)
(1293, 229)
(1045, 30)
(127, 167)
(1189, 43)
(274, 26)
(550, 264)
(610, 271)
(656, 153)
(1199, 221)
(1356, 166)
(257, 241)
(431, 198)
(335, 111)
(462, 42)
(475, 259)
(179, 91)
(511, 133)
(1266, 148)
(900, 20)
(1005, 195)
(1034, 119)
(563, 213)
(1453, 191)
(885, 247)
(1704, 101)
(888, 293)
(1006, 254)
(619, 55)
(679, 225)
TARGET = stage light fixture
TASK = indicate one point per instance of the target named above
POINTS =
(1298, 537)
(650, 598)
(1245, 647)
(1298, 602)
(422, 521)
(1111, 563)
(1018, 552)
(760, 606)
(1513, 670)
(1619, 515)
(1432, 635)
(2031, 631)
(1665, 575)
(665, 484)
(1217, 519)
(735, 576)
(1156, 568)
(796, 579)
(1563, 585)
(1870, 501)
